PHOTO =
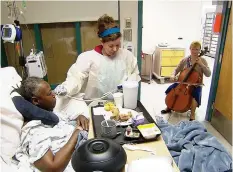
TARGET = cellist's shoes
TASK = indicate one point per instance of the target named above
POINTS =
(191, 119)
(166, 111)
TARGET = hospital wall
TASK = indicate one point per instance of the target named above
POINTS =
(59, 35)
(166, 21)
(129, 9)
(62, 11)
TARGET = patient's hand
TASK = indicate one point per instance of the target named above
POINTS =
(83, 122)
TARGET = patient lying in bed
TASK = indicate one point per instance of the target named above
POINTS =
(46, 147)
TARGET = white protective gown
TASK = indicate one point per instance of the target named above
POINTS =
(95, 74)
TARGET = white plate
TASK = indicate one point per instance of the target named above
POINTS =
(108, 114)
(125, 111)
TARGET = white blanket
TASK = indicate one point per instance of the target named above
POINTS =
(70, 109)
(11, 119)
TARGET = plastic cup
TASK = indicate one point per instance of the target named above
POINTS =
(108, 128)
(118, 99)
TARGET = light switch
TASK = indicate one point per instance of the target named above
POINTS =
(128, 23)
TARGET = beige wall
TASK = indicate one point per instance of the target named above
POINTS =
(129, 9)
(62, 11)
(70, 11)
(59, 38)
(166, 21)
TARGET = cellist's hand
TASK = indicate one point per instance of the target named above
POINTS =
(173, 78)
(199, 61)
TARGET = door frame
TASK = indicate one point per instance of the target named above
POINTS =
(139, 41)
(218, 59)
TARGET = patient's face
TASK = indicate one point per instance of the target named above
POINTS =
(46, 98)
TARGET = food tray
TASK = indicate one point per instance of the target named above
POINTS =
(97, 119)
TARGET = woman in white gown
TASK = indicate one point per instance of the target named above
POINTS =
(102, 69)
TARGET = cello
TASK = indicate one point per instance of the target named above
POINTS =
(179, 99)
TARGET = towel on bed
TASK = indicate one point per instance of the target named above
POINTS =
(193, 148)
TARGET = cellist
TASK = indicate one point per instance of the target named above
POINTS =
(201, 68)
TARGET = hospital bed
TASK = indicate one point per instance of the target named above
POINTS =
(12, 120)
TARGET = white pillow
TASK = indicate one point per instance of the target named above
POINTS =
(11, 119)
(9, 78)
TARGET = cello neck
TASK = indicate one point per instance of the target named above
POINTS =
(203, 52)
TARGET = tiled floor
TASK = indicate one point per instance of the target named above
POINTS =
(153, 96)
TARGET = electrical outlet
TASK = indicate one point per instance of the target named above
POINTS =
(127, 35)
